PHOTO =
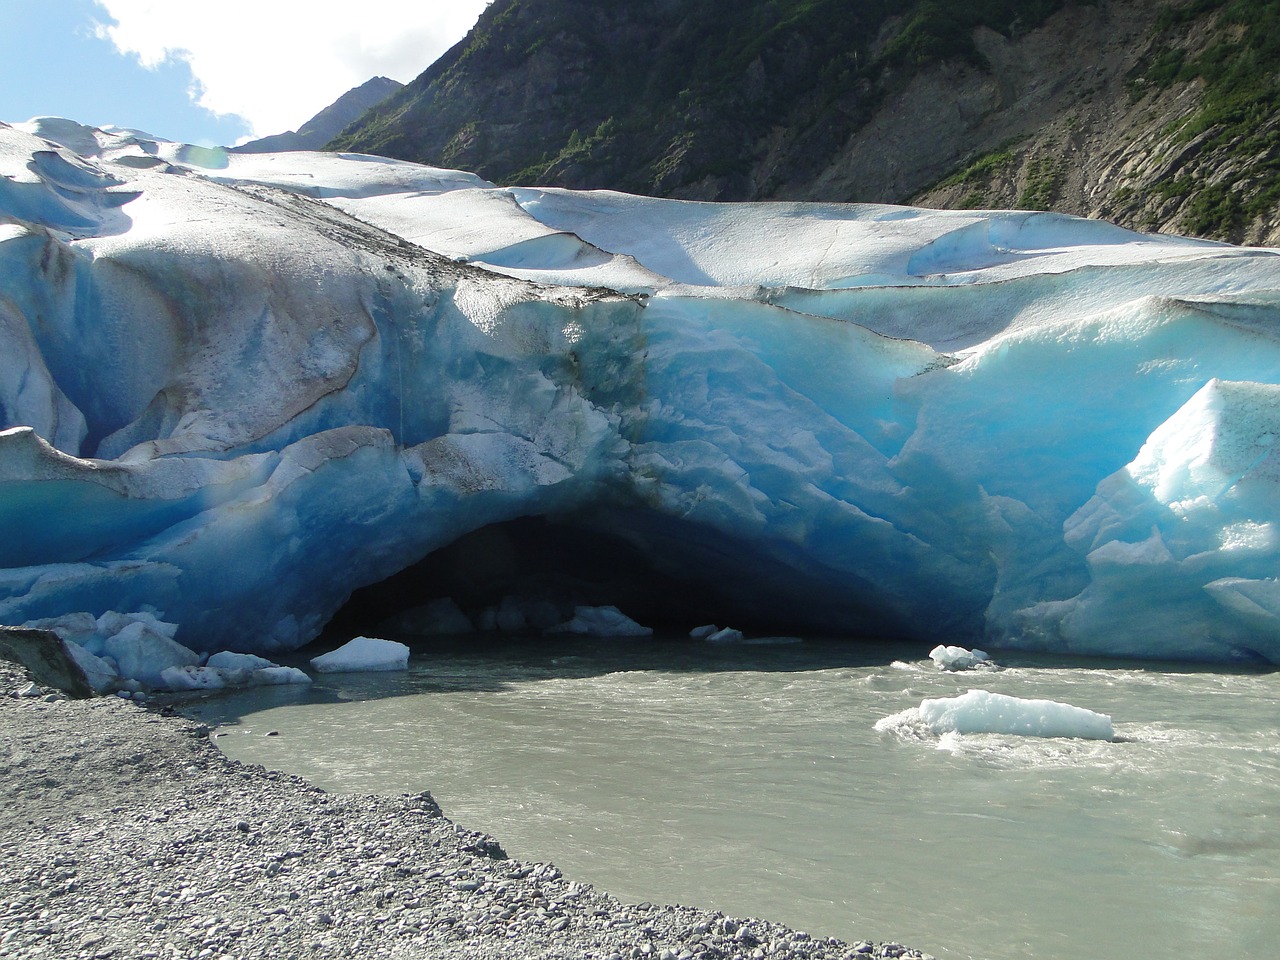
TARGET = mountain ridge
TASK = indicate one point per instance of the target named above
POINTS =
(329, 122)
(1157, 114)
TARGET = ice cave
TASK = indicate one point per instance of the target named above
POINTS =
(242, 394)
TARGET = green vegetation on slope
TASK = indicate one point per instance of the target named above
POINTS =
(1237, 122)
(658, 97)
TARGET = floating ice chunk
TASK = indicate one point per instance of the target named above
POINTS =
(363, 654)
(276, 676)
(727, 635)
(601, 622)
(958, 658)
(713, 634)
(980, 711)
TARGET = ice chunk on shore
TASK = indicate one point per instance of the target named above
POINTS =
(980, 711)
(363, 654)
(229, 660)
(227, 670)
(102, 676)
(260, 671)
(192, 677)
(116, 648)
(141, 653)
(221, 671)
(601, 622)
(958, 658)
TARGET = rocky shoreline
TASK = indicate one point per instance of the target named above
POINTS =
(124, 832)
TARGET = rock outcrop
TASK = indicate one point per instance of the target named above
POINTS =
(1155, 114)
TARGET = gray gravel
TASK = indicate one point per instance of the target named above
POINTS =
(124, 832)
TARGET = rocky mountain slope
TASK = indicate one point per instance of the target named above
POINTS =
(1158, 114)
(329, 122)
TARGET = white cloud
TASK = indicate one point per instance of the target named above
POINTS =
(278, 62)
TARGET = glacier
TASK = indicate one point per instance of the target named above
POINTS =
(234, 389)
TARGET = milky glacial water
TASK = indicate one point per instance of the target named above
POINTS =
(752, 780)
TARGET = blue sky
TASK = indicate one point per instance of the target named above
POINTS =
(196, 72)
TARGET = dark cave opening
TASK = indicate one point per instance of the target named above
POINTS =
(538, 560)
(664, 574)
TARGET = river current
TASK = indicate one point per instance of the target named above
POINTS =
(751, 779)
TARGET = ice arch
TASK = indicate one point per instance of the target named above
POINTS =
(235, 395)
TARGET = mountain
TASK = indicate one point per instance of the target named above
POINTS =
(1157, 114)
(329, 122)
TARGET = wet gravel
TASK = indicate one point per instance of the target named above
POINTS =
(124, 832)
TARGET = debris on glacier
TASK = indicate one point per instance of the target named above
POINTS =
(363, 654)
(958, 658)
(980, 711)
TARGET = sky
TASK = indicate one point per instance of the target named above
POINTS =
(213, 73)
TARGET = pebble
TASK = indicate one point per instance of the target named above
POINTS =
(194, 855)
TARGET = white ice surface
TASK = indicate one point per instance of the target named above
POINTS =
(235, 388)
(101, 674)
(958, 658)
(363, 654)
(980, 711)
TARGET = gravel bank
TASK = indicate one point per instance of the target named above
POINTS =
(124, 832)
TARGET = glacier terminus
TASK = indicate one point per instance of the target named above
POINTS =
(236, 388)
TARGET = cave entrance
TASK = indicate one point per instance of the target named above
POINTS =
(538, 564)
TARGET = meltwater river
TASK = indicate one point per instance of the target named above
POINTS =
(752, 779)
